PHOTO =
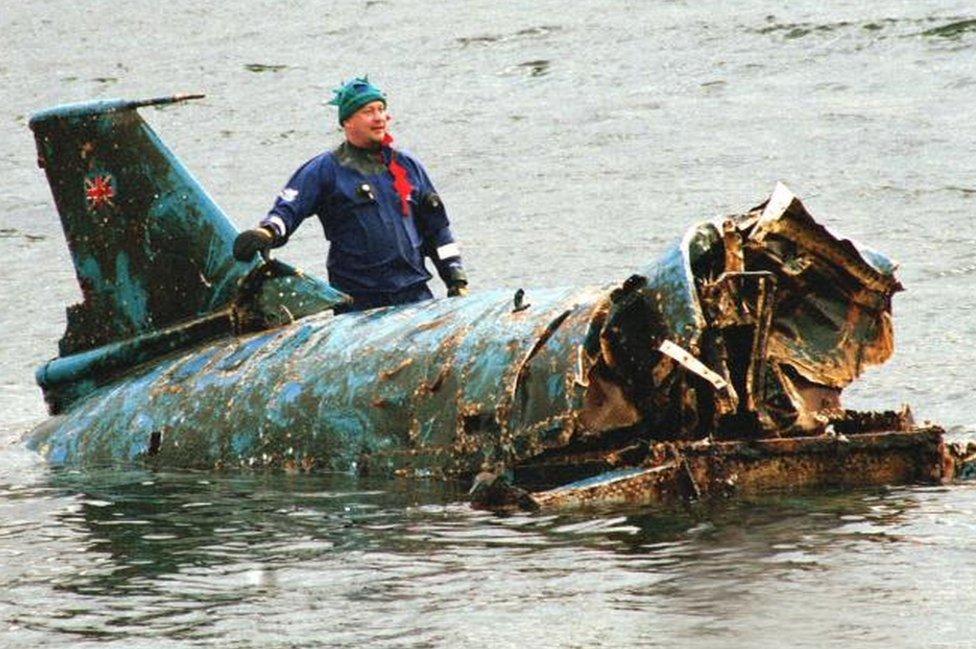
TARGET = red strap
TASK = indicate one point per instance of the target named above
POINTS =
(401, 180)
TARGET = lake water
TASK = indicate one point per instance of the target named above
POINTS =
(571, 143)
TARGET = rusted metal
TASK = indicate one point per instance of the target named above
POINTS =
(677, 471)
(719, 366)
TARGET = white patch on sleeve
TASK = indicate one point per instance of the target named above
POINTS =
(288, 194)
(448, 250)
(277, 223)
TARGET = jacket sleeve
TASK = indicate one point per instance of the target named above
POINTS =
(301, 198)
(435, 230)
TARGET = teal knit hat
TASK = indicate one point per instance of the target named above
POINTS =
(353, 95)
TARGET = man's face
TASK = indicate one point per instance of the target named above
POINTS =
(366, 128)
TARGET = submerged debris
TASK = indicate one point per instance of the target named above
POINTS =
(264, 67)
(952, 30)
(494, 491)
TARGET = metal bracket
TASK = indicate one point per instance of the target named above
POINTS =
(692, 364)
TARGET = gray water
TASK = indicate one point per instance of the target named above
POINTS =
(571, 142)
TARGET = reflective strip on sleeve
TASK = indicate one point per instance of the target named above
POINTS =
(448, 250)
(276, 223)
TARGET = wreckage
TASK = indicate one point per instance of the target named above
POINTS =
(718, 368)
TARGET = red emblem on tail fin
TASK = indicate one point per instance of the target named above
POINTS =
(99, 191)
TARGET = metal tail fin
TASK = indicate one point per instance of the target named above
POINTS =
(150, 247)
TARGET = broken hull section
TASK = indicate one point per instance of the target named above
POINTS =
(702, 470)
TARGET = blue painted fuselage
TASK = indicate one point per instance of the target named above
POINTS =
(442, 386)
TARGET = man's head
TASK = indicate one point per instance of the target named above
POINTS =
(362, 112)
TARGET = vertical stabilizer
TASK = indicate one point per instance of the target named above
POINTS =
(150, 247)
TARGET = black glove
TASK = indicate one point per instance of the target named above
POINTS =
(250, 242)
(456, 280)
(458, 289)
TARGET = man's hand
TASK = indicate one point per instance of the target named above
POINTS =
(458, 289)
(251, 242)
(455, 278)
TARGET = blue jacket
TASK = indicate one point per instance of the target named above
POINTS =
(374, 247)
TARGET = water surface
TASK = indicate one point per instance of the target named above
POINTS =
(571, 143)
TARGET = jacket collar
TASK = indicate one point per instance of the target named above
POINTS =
(365, 161)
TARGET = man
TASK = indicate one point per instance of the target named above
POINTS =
(378, 208)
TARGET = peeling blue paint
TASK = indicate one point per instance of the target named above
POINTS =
(320, 385)
(192, 365)
(131, 295)
(244, 352)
